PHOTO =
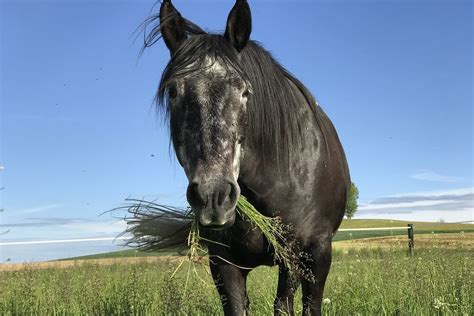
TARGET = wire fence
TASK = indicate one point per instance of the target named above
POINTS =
(341, 234)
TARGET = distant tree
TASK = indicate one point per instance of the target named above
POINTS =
(352, 206)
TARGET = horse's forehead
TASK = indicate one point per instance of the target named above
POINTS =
(214, 67)
(209, 66)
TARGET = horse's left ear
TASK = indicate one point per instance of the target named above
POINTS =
(239, 25)
(172, 26)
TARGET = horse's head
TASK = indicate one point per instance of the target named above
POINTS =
(207, 97)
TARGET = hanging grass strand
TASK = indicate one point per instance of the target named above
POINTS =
(272, 228)
(158, 227)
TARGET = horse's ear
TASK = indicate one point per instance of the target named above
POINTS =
(239, 25)
(172, 25)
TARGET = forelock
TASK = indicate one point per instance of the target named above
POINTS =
(206, 52)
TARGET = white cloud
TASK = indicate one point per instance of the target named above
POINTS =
(2, 168)
(452, 205)
(461, 191)
(67, 225)
(52, 229)
(415, 204)
(97, 228)
(427, 175)
(37, 209)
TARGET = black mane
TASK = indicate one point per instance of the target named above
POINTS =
(272, 107)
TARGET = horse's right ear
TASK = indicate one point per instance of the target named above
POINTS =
(172, 26)
(239, 25)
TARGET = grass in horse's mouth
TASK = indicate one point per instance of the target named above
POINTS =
(159, 227)
(272, 228)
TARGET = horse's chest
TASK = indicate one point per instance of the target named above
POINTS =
(251, 241)
(249, 246)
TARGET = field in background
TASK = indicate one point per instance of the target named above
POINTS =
(421, 228)
(372, 276)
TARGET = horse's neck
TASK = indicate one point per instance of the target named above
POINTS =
(266, 178)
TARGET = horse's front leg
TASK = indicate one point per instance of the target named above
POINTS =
(231, 285)
(319, 263)
(287, 285)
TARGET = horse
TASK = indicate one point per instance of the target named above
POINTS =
(240, 123)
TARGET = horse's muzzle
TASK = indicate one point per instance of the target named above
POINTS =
(214, 202)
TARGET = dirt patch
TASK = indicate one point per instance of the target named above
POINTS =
(77, 263)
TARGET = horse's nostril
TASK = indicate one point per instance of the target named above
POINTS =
(215, 194)
(194, 195)
(234, 192)
(224, 193)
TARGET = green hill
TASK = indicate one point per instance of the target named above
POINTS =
(129, 253)
(368, 223)
(419, 228)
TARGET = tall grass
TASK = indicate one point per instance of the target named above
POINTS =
(361, 282)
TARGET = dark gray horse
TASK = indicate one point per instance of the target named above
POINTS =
(241, 123)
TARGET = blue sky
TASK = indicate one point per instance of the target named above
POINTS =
(79, 133)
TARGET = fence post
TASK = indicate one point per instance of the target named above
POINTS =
(411, 239)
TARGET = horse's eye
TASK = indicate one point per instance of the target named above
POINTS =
(246, 93)
(172, 92)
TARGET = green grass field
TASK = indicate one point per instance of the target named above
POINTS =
(362, 282)
(437, 280)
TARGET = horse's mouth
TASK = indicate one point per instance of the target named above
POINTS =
(216, 227)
